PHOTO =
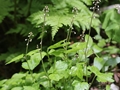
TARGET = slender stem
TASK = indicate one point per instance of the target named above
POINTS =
(71, 25)
(69, 35)
(86, 49)
(41, 41)
(92, 81)
(70, 30)
(26, 58)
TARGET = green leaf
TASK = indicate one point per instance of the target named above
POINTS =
(19, 57)
(79, 46)
(28, 88)
(18, 75)
(101, 43)
(59, 70)
(61, 43)
(80, 71)
(34, 61)
(73, 70)
(16, 59)
(88, 2)
(99, 63)
(55, 77)
(5, 8)
(101, 77)
(105, 77)
(2, 82)
(111, 24)
(96, 48)
(112, 61)
(78, 4)
(17, 88)
(111, 49)
(56, 24)
(61, 66)
(61, 4)
(60, 16)
(80, 85)
(89, 40)
(57, 53)
(94, 69)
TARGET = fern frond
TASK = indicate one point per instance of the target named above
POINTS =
(60, 17)
(57, 22)
(23, 29)
(5, 7)
(84, 21)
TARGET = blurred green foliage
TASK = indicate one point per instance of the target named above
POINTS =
(62, 64)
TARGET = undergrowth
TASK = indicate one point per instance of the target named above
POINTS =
(65, 65)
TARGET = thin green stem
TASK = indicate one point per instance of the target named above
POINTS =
(27, 45)
(70, 30)
(69, 35)
(41, 41)
(86, 49)
(71, 26)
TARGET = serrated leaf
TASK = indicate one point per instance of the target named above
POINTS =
(5, 8)
(60, 16)
(56, 22)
